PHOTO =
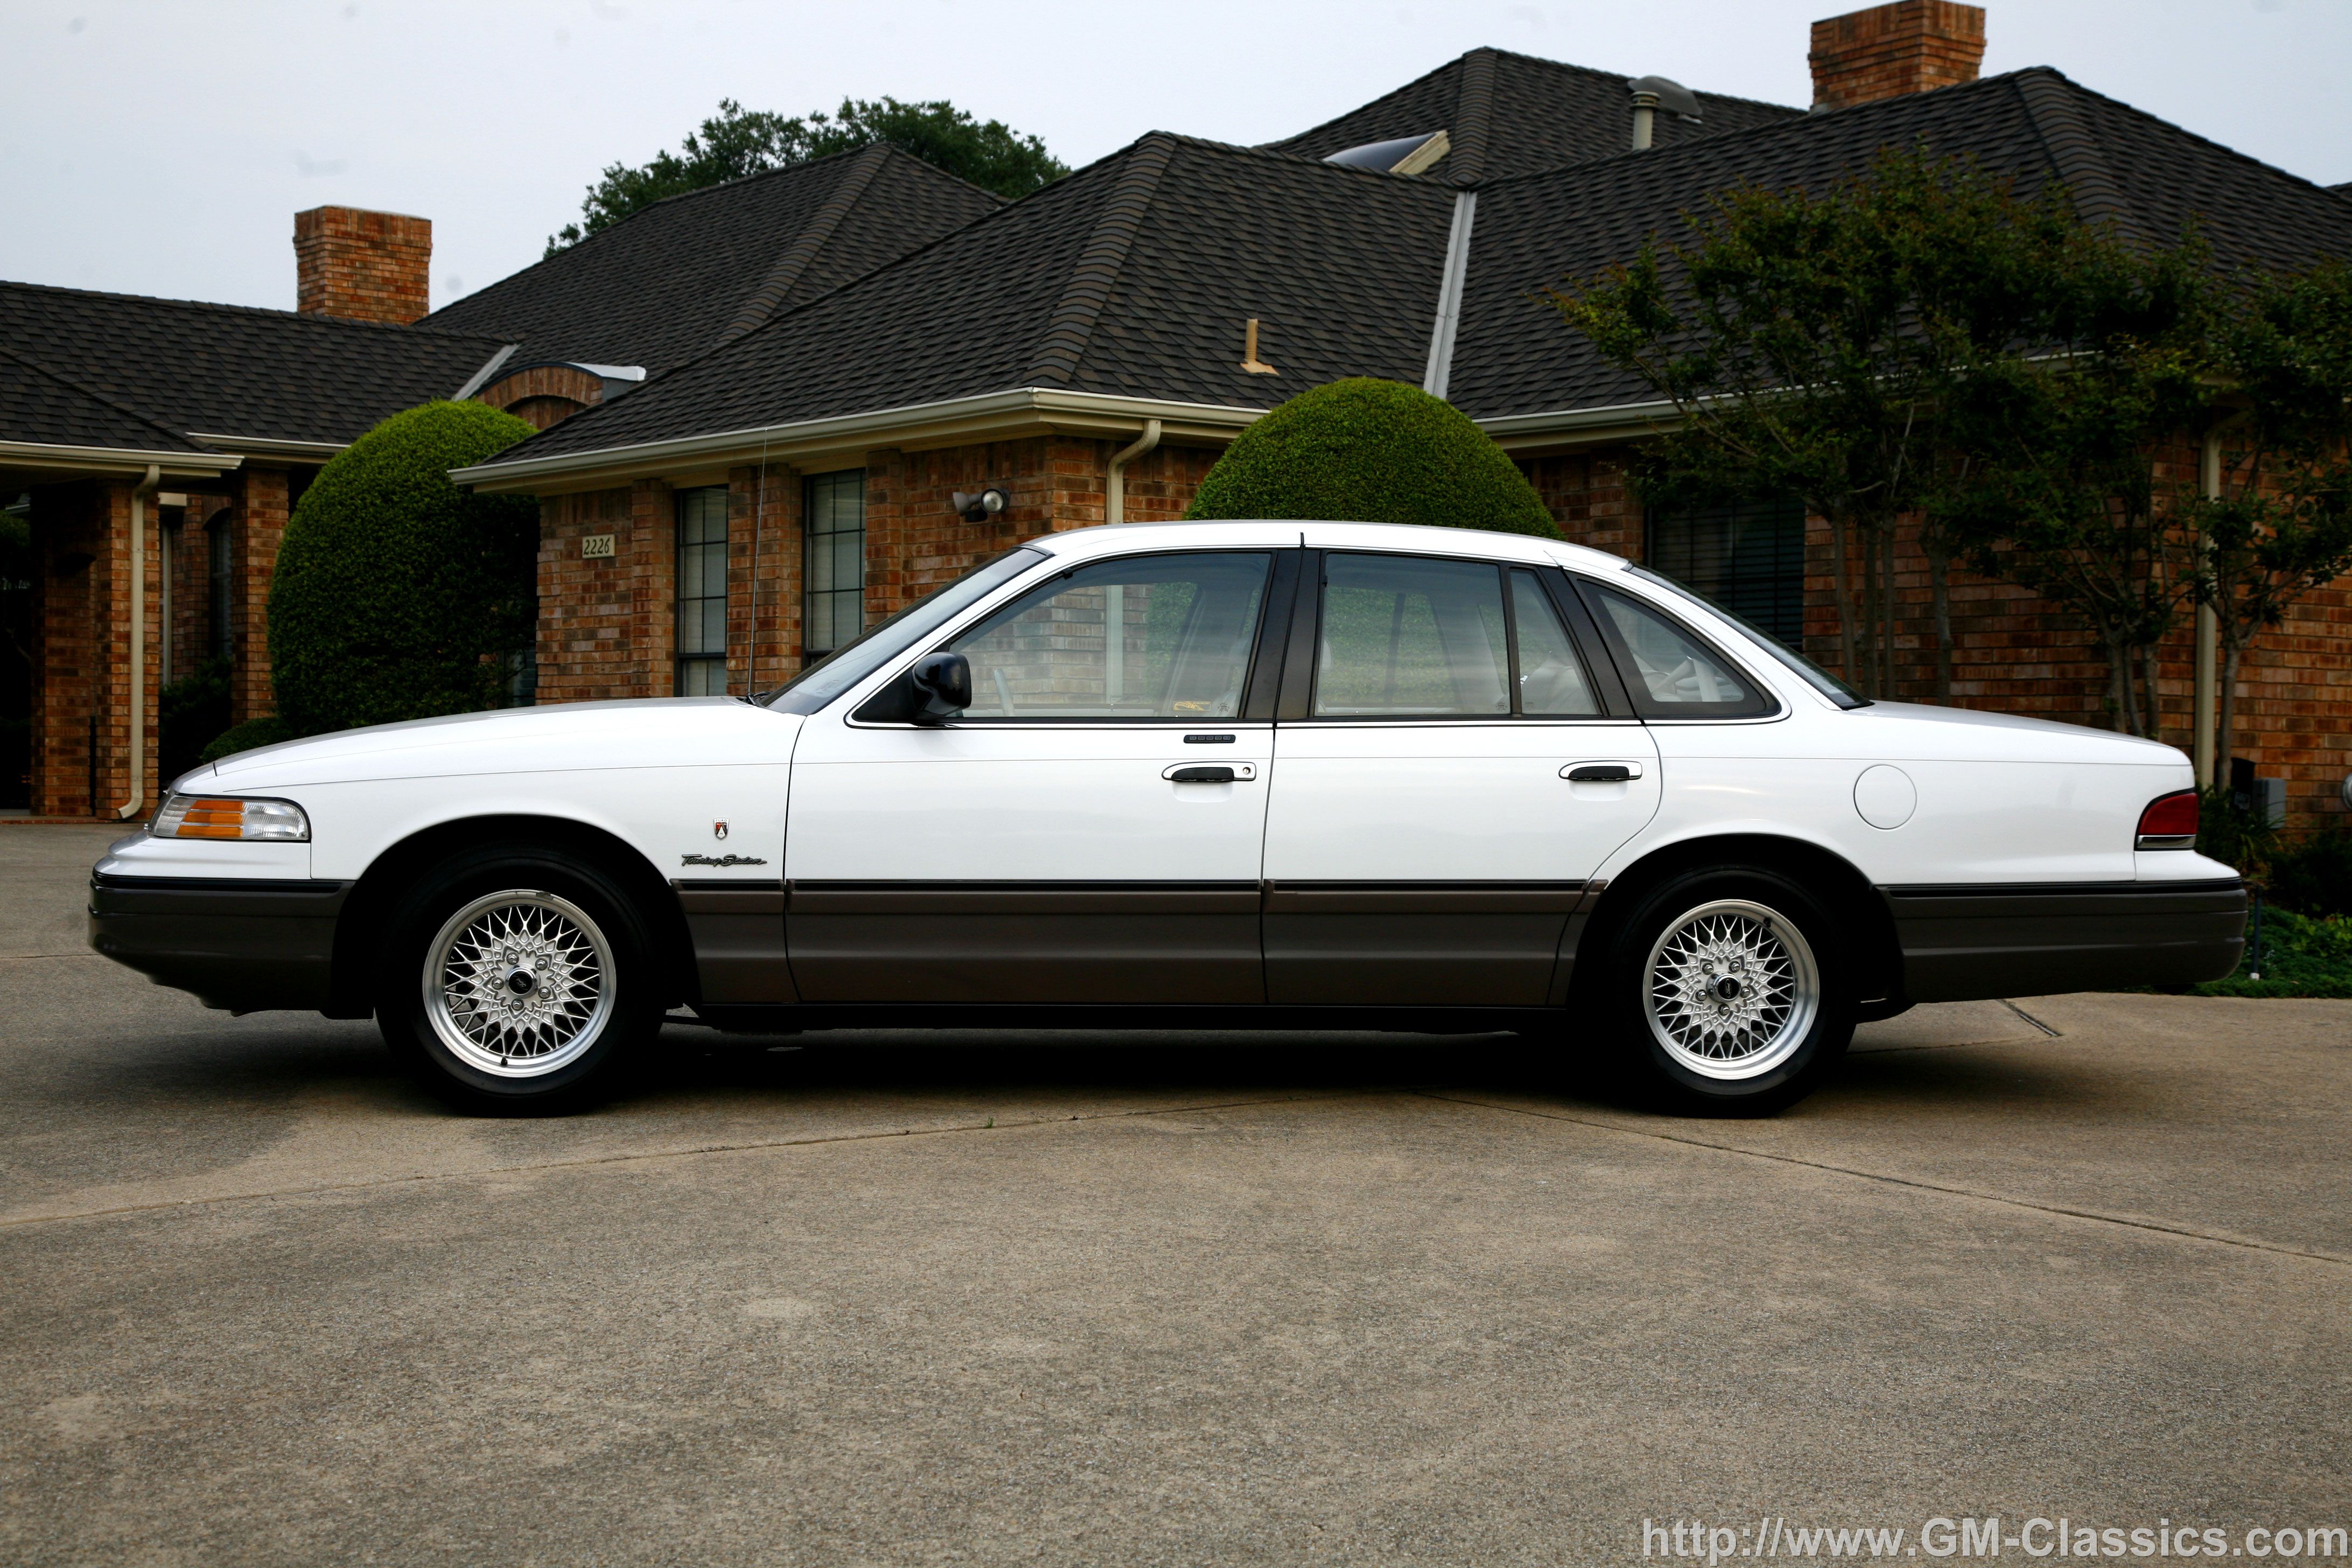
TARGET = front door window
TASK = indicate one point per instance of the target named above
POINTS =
(1165, 636)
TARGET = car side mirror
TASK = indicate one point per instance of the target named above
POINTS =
(943, 683)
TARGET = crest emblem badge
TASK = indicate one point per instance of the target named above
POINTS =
(719, 829)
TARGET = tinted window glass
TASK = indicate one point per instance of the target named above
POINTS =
(1155, 636)
(1552, 682)
(1670, 673)
(1410, 638)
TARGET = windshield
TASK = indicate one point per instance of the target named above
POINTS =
(1819, 679)
(854, 660)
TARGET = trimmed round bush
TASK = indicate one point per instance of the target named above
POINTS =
(398, 595)
(1363, 451)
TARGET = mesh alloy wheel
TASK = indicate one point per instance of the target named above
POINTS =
(1730, 989)
(519, 984)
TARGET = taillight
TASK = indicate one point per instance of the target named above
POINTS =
(2169, 821)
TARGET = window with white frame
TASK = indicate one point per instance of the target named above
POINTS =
(833, 509)
(702, 592)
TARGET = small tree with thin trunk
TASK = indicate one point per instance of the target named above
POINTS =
(1805, 342)
(2281, 525)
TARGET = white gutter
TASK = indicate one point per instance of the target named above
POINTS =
(115, 459)
(1622, 419)
(943, 422)
(1449, 296)
(139, 494)
(1115, 482)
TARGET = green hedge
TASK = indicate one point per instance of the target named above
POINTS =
(1362, 451)
(398, 595)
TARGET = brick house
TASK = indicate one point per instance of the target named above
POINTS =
(785, 469)
(193, 428)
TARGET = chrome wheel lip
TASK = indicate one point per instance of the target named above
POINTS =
(541, 926)
(1775, 962)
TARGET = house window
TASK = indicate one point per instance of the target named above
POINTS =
(1749, 558)
(217, 606)
(835, 507)
(702, 592)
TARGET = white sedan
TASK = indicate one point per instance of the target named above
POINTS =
(1261, 775)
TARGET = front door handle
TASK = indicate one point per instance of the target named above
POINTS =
(1600, 773)
(1208, 773)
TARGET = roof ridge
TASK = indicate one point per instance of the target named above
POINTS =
(2057, 119)
(1789, 108)
(812, 237)
(1098, 266)
(2223, 148)
(1474, 110)
(178, 437)
(266, 310)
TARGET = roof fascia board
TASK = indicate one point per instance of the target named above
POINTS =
(115, 459)
(987, 415)
(1580, 427)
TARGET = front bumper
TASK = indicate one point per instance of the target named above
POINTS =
(1964, 942)
(245, 945)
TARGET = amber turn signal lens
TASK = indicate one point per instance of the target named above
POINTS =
(216, 817)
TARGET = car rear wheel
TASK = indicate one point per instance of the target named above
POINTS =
(517, 982)
(1729, 993)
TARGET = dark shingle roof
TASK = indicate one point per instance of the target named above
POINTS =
(2148, 177)
(669, 282)
(1514, 114)
(40, 407)
(1131, 277)
(231, 370)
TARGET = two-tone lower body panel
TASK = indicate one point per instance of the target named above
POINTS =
(235, 943)
(2023, 939)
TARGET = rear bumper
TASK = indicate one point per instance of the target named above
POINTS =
(1963, 942)
(242, 945)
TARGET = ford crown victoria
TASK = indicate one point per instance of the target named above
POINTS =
(1270, 774)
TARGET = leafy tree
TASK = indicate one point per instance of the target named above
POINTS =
(1805, 343)
(737, 142)
(2282, 523)
(2055, 441)
(398, 595)
(1366, 450)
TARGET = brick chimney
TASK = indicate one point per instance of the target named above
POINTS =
(369, 266)
(1886, 51)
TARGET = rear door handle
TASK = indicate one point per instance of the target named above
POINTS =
(1600, 773)
(1210, 772)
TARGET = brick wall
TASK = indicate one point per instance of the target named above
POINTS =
(590, 642)
(369, 266)
(544, 393)
(1886, 51)
(258, 509)
(81, 649)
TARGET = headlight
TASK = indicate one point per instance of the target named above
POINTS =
(216, 817)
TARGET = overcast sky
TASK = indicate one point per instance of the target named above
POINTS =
(164, 148)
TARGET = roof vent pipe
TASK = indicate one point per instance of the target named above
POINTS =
(1652, 93)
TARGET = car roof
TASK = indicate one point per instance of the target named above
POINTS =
(1118, 539)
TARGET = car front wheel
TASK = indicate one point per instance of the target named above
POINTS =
(1730, 994)
(516, 982)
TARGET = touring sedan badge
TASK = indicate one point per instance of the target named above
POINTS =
(1460, 782)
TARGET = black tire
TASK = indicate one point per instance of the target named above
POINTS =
(554, 1042)
(1687, 1045)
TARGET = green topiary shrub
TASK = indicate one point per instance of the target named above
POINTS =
(266, 730)
(1362, 451)
(398, 595)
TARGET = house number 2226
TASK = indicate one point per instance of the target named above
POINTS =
(597, 547)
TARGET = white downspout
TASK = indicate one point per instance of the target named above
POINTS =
(139, 494)
(1114, 484)
(2206, 709)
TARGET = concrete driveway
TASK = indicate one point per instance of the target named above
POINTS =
(1156, 1300)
